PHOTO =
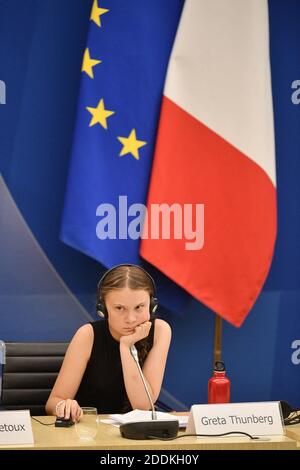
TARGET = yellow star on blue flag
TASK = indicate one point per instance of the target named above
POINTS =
(88, 63)
(96, 13)
(131, 145)
(100, 114)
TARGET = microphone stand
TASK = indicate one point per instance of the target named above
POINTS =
(135, 356)
(148, 429)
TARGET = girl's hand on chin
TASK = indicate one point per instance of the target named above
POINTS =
(140, 332)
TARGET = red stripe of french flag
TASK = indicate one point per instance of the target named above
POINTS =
(215, 147)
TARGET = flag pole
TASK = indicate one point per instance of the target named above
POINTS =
(218, 339)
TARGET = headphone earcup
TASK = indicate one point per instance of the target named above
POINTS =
(101, 310)
(153, 305)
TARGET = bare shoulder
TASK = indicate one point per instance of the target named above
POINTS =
(84, 334)
(85, 331)
(162, 329)
(82, 340)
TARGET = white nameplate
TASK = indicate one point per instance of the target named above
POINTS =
(15, 427)
(257, 419)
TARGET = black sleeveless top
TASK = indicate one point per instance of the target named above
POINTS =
(102, 384)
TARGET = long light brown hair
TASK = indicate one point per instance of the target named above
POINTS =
(133, 277)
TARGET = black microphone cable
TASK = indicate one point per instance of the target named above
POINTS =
(209, 435)
(44, 424)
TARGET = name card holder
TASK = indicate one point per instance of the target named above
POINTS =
(15, 427)
(257, 419)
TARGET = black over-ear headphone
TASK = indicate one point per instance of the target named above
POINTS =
(101, 307)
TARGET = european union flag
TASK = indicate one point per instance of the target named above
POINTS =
(123, 72)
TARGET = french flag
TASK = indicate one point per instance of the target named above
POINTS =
(215, 146)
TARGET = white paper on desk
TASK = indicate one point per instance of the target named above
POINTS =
(141, 415)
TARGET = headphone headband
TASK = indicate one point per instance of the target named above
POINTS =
(101, 308)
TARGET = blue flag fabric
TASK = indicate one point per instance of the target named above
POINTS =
(123, 72)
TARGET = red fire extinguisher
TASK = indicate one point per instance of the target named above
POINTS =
(219, 385)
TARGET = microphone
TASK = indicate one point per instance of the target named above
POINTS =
(148, 429)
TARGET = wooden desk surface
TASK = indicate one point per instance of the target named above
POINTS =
(109, 438)
(294, 433)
